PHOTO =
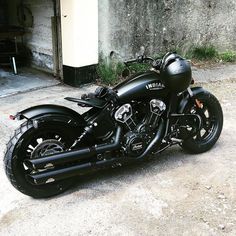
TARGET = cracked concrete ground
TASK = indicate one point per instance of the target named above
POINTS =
(172, 194)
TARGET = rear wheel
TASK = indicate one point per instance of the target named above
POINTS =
(208, 108)
(28, 143)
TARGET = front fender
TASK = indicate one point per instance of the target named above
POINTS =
(50, 110)
(186, 97)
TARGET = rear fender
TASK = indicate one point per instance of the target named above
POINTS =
(43, 112)
(186, 97)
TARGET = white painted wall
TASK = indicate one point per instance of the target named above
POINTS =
(79, 20)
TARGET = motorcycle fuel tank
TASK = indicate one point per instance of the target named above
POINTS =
(141, 86)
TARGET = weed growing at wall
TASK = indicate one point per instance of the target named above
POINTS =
(228, 56)
(203, 53)
(210, 53)
(137, 68)
(109, 71)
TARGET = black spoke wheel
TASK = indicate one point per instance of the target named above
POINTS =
(28, 143)
(208, 108)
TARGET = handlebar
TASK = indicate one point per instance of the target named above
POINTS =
(144, 59)
(130, 61)
(139, 59)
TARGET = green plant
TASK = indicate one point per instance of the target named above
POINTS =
(177, 50)
(109, 70)
(203, 53)
(228, 56)
(138, 67)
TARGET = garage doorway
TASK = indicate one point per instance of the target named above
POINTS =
(30, 44)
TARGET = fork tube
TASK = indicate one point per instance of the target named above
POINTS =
(173, 101)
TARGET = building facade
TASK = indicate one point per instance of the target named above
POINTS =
(67, 37)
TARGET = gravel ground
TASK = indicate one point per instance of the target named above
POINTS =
(172, 194)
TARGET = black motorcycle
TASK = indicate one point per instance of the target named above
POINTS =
(139, 117)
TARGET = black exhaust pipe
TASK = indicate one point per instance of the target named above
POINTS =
(155, 142)
(48, 176)
(51, 161)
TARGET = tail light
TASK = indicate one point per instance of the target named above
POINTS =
(11, 117)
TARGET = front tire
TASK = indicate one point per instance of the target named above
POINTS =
(22, 146)
(209, 109)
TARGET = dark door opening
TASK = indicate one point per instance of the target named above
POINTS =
(29, 34)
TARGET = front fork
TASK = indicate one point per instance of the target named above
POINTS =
(173, 114)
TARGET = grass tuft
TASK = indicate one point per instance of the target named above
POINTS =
(137, 67)
(109, 71)
(228, 56)
(204, 53)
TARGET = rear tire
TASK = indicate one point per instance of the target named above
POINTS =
(21, 146)
(209, 109)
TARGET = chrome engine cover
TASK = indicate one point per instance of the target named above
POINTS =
(124, 115)
(157, 106)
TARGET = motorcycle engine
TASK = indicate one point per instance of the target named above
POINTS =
(135, 144)
(139, 132)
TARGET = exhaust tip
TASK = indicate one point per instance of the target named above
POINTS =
(49, 166)
(50, 180)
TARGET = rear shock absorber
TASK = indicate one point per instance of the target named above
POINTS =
(87, 130)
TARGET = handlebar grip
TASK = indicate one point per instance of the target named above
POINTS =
(130, 61)
(148, 59)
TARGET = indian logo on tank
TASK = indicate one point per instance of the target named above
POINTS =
(155, 86)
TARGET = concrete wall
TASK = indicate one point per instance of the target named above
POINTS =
(39, 37)
(159, 25)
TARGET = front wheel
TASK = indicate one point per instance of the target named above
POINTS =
(209, 109)
(29, 142)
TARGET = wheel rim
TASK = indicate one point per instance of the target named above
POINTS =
(44, 143)
(46, 140)
(47, 147)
